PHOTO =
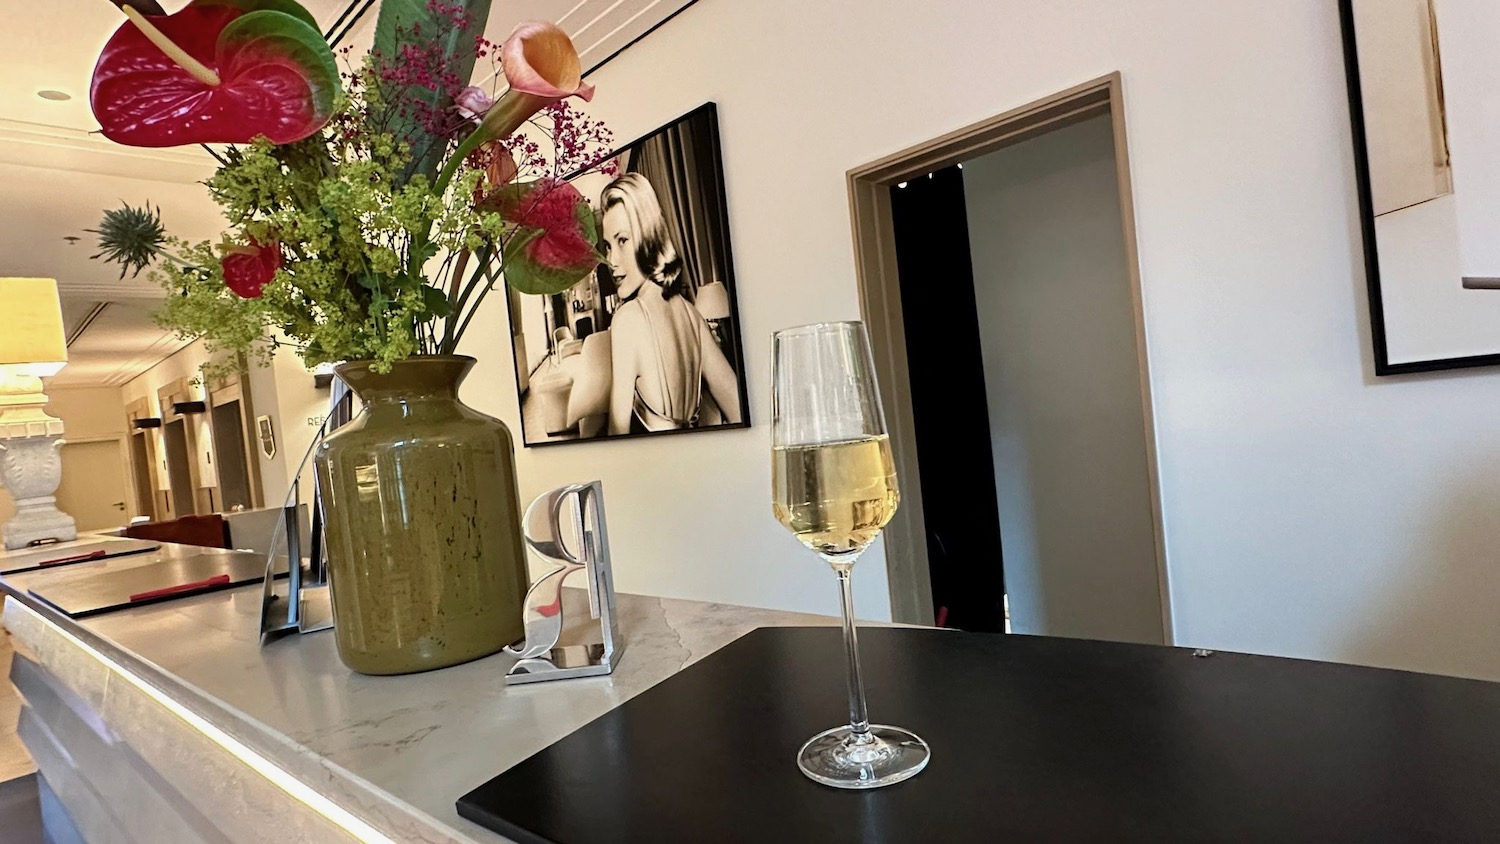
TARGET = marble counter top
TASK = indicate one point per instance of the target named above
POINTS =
(395, 752)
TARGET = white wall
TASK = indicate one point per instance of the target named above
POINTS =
(1058, 334)
(1311, 510)
(285, 392)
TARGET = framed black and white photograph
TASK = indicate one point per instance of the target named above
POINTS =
(1426, 114)
(650, 343)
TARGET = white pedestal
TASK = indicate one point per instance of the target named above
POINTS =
(31, 469)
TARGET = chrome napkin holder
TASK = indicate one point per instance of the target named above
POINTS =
(307, 606)
(583, 547)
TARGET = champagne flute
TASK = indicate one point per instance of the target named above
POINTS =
(834, 487)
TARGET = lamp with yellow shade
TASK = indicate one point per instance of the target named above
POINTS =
(32, 347)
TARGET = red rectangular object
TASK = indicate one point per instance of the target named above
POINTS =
(76, 558)
(207, 583)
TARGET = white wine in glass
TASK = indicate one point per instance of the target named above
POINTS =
(834, 487)
(836, 497)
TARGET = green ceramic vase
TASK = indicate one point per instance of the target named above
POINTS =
(423, 522)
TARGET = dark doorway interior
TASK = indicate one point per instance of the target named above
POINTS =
(181, 479)
(140, 465)
(229, 449)
(948, 399)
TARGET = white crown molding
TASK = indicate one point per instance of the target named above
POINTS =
(61, 148)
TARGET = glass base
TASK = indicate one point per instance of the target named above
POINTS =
(883, 756)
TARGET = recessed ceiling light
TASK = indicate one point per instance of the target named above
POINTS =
(55, 96)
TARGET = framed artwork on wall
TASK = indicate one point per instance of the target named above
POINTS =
(650, 343)
(1425, 115)
(266, 435)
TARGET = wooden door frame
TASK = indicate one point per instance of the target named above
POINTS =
(880, 302)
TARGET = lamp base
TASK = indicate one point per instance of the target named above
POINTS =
(31, 469)
(22, 407)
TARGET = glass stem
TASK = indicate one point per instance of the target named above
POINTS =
(859, 717)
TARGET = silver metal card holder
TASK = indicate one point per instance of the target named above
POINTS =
(584, 547)
(307, 606)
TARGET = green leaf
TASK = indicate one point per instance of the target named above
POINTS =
(533, 278)
(421, 254)
(588, 223)
(277, 35)
(456, 48)
(505, 198)
(435, 301)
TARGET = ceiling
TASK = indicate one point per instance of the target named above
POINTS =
(56, 175)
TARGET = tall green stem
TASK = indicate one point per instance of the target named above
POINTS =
(508, 114)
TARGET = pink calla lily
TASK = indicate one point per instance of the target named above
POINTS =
(539, 59)
(542, 68)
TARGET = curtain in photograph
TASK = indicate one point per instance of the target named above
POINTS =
(680, 162)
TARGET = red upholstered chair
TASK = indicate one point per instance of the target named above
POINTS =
(209, 531)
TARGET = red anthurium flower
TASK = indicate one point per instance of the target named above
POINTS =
(262, 69)
(551, 205)
(248, 269)
(555, 242)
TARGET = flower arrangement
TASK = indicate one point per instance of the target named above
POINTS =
(371, 209)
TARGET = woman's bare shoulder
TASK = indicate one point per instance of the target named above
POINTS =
(628, 317)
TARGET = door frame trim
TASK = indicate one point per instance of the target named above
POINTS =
(880, 302)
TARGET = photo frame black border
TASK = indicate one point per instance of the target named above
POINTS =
(1383, 365)
(732, 284)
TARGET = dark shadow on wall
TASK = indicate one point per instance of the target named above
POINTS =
(1443, 615)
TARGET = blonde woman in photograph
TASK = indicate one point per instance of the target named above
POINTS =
(664, 352)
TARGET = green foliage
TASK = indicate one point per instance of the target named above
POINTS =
(451, 48)
(130, 237)
(358, 245)
(372, 259)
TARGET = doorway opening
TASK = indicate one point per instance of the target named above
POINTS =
(999, 279)
(229, 447)
(941, 321)
(141, 474)
(179, 474)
